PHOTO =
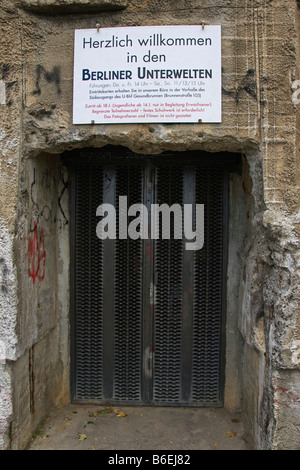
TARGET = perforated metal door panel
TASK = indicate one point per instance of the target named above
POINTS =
(147, 315)
(207, 354)
(87, 324)
(107, 313)
(188, 318)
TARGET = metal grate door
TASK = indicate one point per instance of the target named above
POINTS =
(147, 315)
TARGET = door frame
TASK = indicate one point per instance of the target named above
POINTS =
(112, 154)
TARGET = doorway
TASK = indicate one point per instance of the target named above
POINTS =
(147, 314)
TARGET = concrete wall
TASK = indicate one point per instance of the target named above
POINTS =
(10, 132)
(260, 41)
(38, 376)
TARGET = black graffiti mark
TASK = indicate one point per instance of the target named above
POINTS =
(4, 69)
(107, 182)
(34, 203)
(50, 77)
(47, 179)
(4, 73)
(4, 272)
(46, 212)
(64, 188)
(248, 85)
(9, 90)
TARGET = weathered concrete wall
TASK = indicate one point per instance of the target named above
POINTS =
(10, 133)
(39, 380)
(260, 41)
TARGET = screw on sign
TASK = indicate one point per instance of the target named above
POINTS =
(36, 254)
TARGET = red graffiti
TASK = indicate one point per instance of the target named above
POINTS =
(36, 254)
(292, 398)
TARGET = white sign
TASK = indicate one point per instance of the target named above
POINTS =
(147, 74)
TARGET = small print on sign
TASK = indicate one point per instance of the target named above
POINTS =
(147, 74)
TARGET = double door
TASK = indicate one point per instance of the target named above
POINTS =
(147, 322)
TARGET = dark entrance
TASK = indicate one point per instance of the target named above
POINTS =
(147, 315)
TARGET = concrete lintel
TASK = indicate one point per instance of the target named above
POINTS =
(72, 6)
